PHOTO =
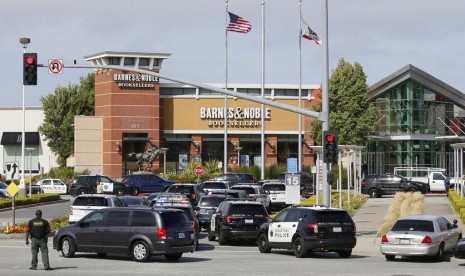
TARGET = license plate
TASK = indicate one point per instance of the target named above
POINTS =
(204, 211)
(404, 241)
(181, 235)
(249, 221)
(337, 229)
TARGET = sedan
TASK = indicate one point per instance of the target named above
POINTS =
(420, 235)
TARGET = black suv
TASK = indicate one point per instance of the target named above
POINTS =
(309, 229)
(142, 232)
(207, 206)
(236, 178)
(237, 220)
(87, 184)
(377, 185)
(192, 191)
(146, 183)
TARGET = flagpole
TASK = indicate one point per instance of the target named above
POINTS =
(300, 87)
(262, 138)
(225, 149)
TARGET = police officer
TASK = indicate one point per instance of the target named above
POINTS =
(38, 230)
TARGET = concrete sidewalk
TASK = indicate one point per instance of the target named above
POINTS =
(368, 219)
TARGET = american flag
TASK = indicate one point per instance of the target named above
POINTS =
(309, 33)
(238, 24)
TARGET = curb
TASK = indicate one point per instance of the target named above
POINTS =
(33, 205)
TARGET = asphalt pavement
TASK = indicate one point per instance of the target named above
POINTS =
(368, 219)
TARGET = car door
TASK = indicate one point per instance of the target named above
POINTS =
(386, 183)
(58, 186)
(89, 232)
(451, 234)
(276, 227)
(116, 231)
(46, 185)
(106, 183)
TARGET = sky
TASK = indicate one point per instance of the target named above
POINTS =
(381, 35)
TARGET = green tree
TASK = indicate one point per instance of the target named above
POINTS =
(59, 111)
(350, 112)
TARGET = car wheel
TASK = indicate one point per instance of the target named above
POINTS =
(140, 251)
(345, 253)
(263, 245)
(134, 191)
(438, 256)
(373, 193)
(390, 257)
(68, 247)
(211, 237)
(173, 257)
(119, 192)
(298, 247)
(221, 239)
(82, 191)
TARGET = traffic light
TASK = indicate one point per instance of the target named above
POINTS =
(30, 68)
(330, 152)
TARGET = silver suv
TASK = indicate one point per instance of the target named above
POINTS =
(256, 193)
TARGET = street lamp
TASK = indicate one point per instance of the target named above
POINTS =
(163, 151)
(29, 150)
(22, 185)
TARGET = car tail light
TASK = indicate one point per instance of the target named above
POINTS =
(427, 240)
(161, 232)
(384, 239)
(228, 219)
(193, 196)
(193, 224)
(267, 219)
(313, 228)
(364, 183)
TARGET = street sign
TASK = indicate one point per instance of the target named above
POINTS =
(292, 188)
(291, 165)
(55, 66)
(12, 170)
(198, 170)
(12, 189)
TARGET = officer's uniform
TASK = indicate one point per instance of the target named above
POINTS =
(39, 229)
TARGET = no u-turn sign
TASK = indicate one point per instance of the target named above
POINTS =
(55, 66)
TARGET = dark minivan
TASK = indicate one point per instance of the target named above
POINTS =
(138, 231)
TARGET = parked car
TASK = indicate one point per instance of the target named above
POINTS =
(236, 178)
(192, 191)
(146, 183)
(377, 185)
(420, 235)
(256, 193)
(237, 220)
(89, 184)
(84, 204)
(133, 201)
(309, 229)
(4, 194)
(186, 207)
(3, 187)
(207, 206)
(210, 186)
(55, 186)
(277, 194)
(142, 232)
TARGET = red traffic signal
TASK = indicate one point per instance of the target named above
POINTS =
(30, 69)
(330, 150)
(329, 138)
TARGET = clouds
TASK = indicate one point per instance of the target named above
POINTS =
(383, 36)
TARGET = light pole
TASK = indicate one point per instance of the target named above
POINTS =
(239, 156)
(29, 150)
(22, 185)
(164, 150)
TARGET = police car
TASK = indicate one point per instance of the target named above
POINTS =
(309, 229)
(54, 186)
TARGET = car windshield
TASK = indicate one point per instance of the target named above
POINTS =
(274, 187)
(211, 201)
(174, 220)
(214, 185)
(332, 216)
(413, 225)
(179, 189)
(248, 190)
(134, 201)
(89, 201)
(249, 209)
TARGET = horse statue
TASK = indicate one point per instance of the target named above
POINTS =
(148, 156)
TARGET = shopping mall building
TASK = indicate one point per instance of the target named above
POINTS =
(419, 117)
